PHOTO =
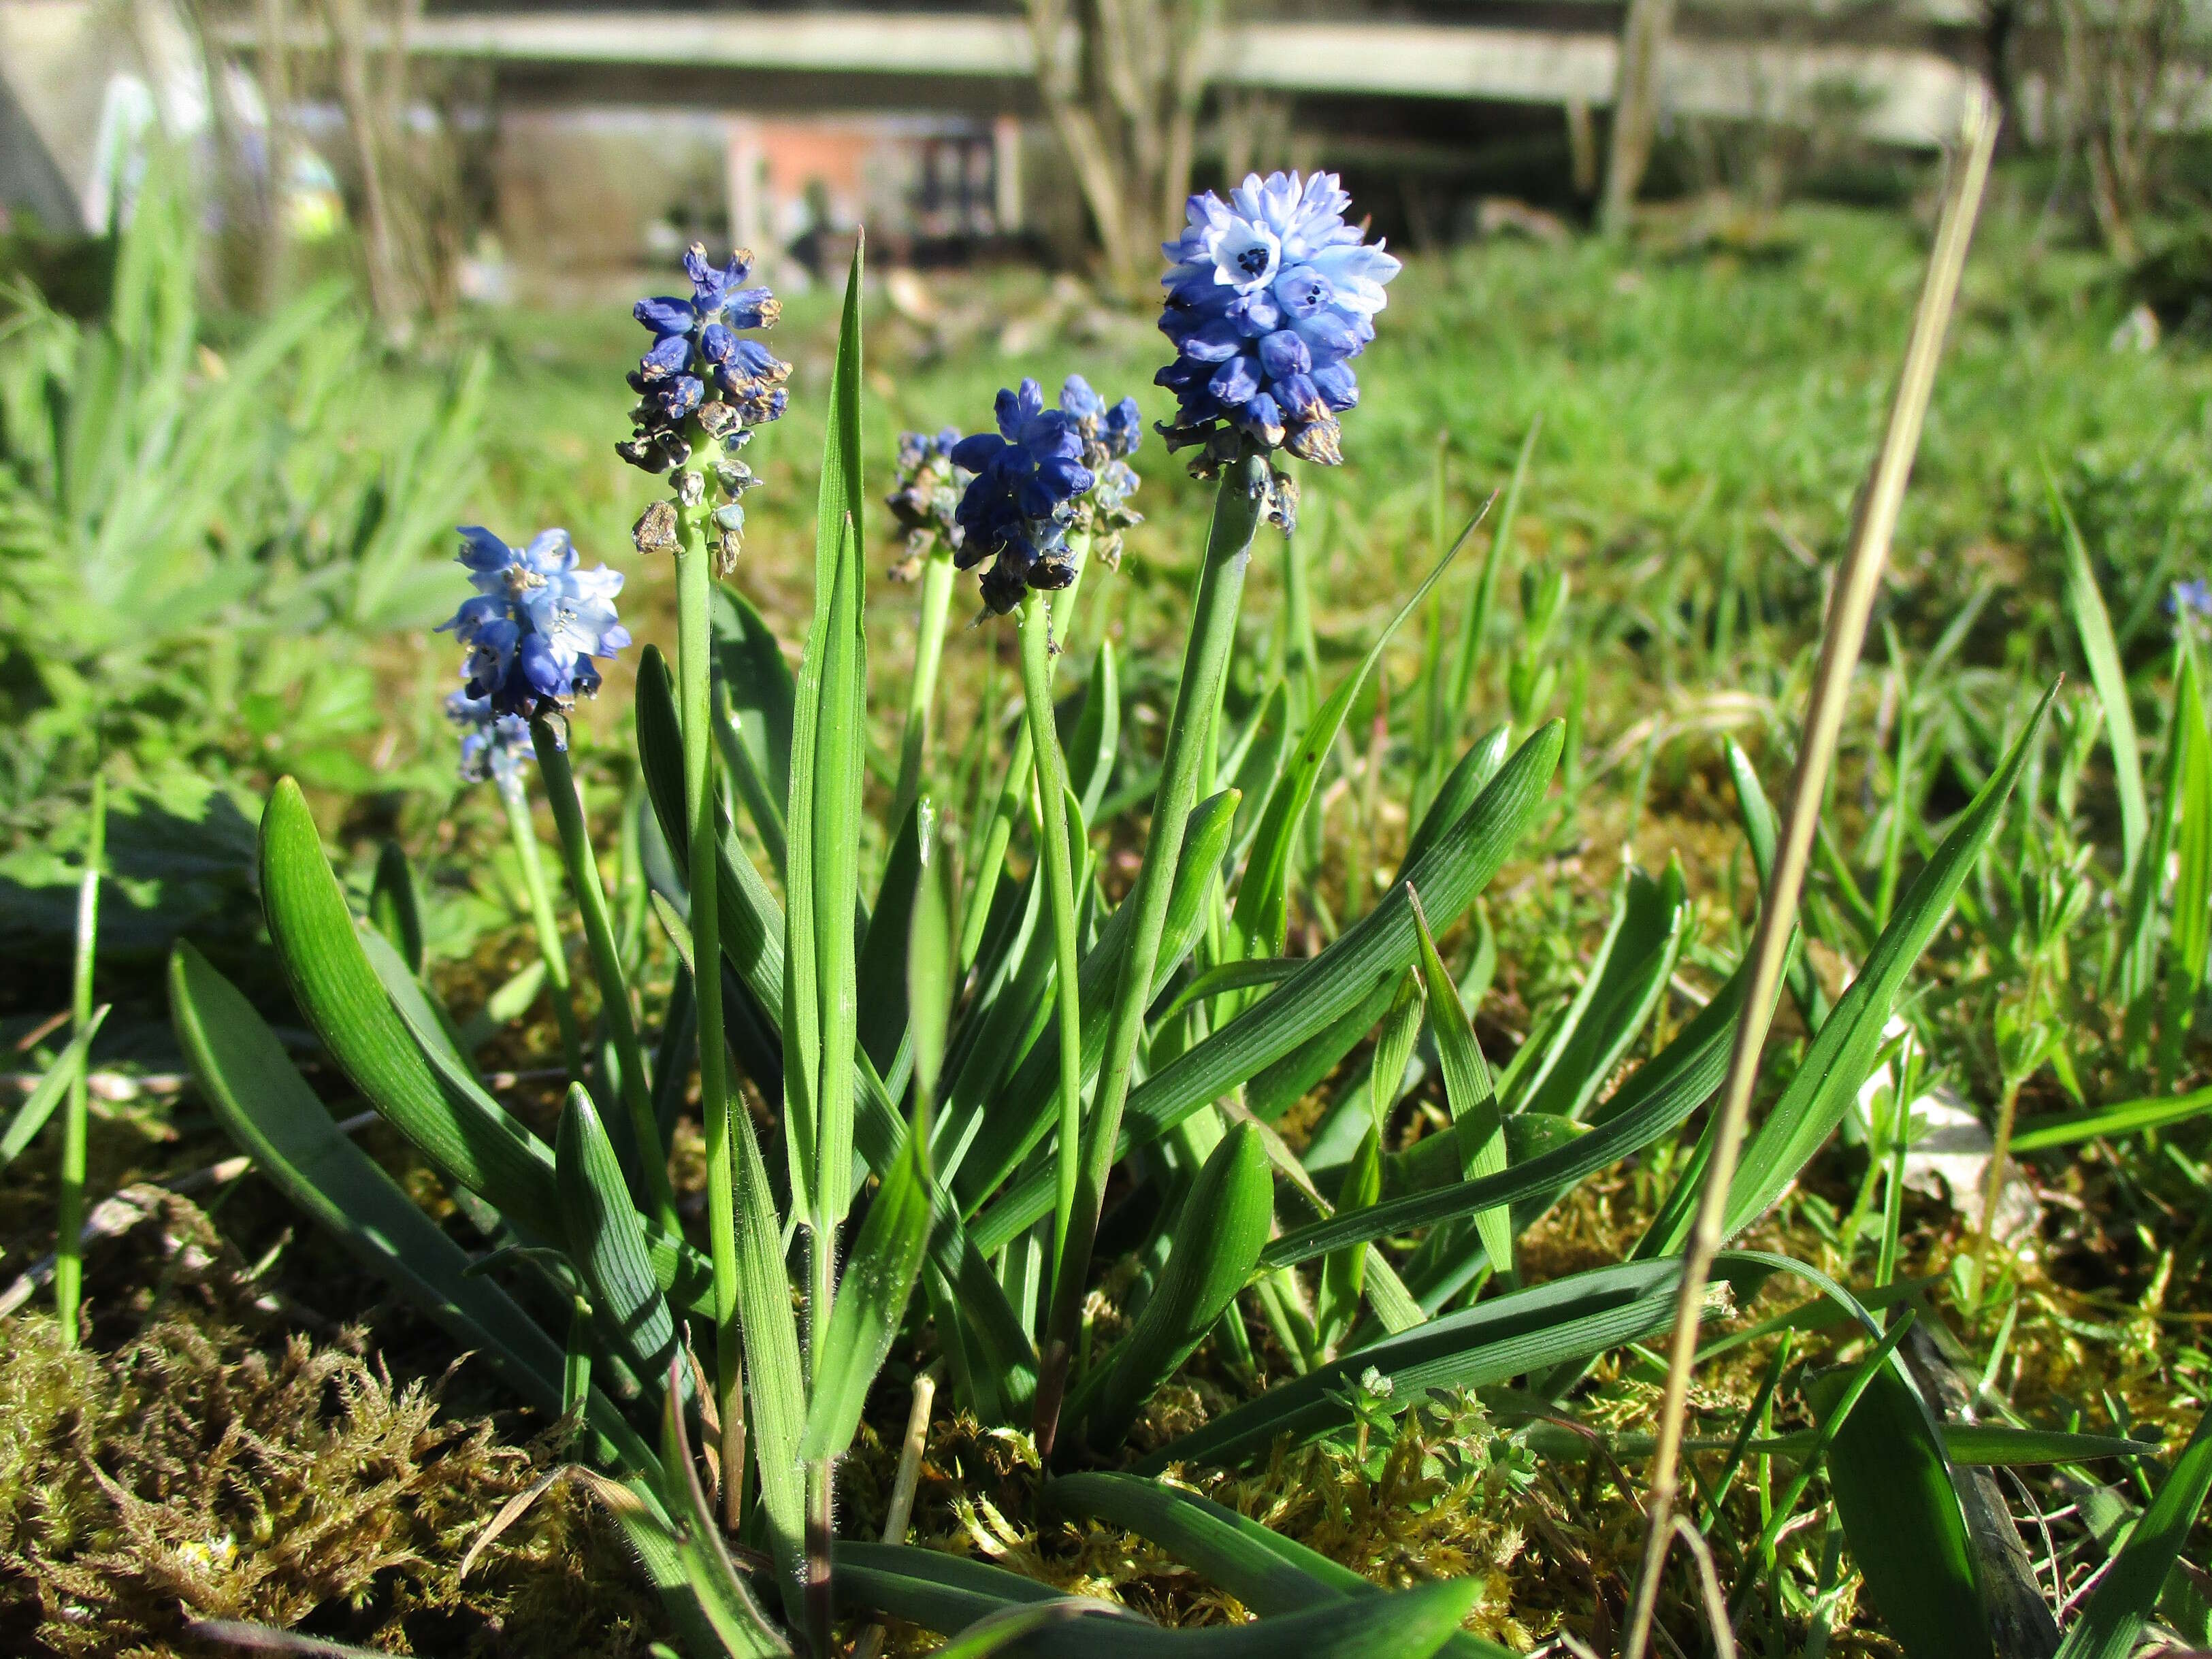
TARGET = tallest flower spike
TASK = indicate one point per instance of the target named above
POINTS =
(1270, 297)
(702, 379)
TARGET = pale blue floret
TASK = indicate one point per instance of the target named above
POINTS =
(1270, 296)
(537, 622)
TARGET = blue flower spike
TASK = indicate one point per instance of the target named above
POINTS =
(1270, 296)
(1048, 471)
(538, 621)
(702, 380)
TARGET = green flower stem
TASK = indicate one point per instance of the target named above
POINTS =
(69, 1221)
(583, 864)
(938, 575)
(1236, 512)
(517, 801)
(983, 884)
(1051, 770)
(695, 597)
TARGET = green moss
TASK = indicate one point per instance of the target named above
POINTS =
(194, 1474)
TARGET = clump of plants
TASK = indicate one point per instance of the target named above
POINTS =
(1000, 1119)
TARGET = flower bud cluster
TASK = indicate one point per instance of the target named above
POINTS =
(926, 500)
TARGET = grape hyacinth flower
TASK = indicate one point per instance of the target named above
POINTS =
(1270, 296)
(538, 621)
(1033, 479)
(701, 377)
(492, 745)
(2191, 599)
(927, 500)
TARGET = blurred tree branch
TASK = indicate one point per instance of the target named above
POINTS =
(1125, 105)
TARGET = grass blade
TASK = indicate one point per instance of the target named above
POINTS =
(2040, 1134)
(1844, 1049)
(2125, 1597)
(1617, 997)
(2095, 625)
(38, 1105)
(1484, 594)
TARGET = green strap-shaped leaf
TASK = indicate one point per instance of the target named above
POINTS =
(1461, 786)
(606, 1241)
(947, 1593)
(1617, 997)
(1255, 766)
(1657, 1100)
(749, 668)
(268, 1109)
(752, 933)
(931, 974)
(1216, 1239)
(725, 1599)
(2191, 940)
(1394, 1042)
(1901, 1516)
(1521, 1331)
(1224, 976)
(2128, 1594)
(31, 1116)
(1262, 914)
(467, 1137)
(2126, 1118)
(1363, 966)
(1098, 745)
(1477, 1129)
(1756, 814)
(1344, 1272)
(1020, 1112)
(940, 1592)
(1842, 1051)
(1267, 1572)
(829, 737)
(880, 972)
(871, 1297)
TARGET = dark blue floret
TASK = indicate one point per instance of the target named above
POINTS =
(1046, 471)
